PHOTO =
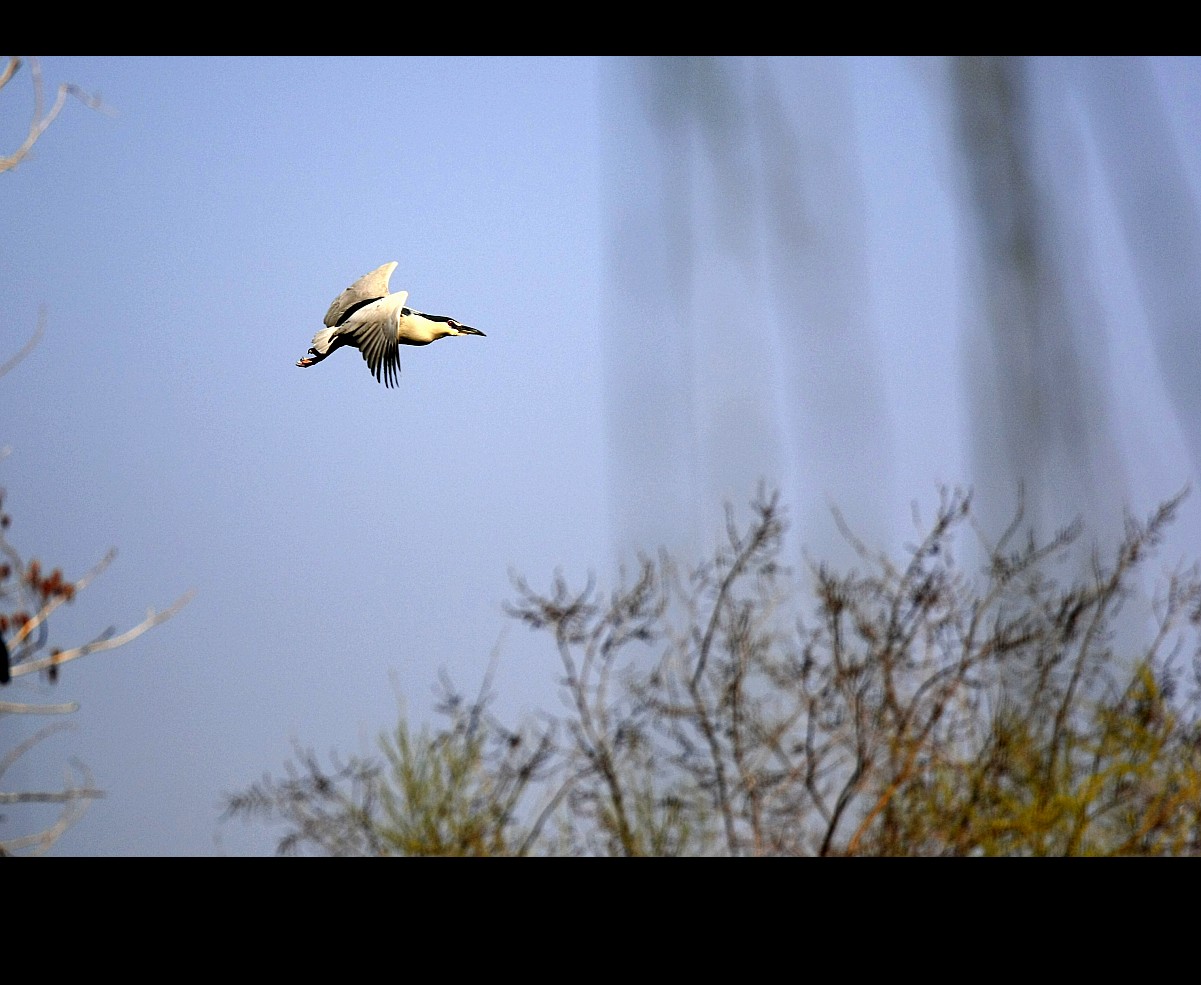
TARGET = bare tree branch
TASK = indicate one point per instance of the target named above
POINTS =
(64, 656)
(29, 346)
(42, 120)
(26, 589)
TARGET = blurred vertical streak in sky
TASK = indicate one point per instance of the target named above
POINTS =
(739, 337)
(1038, 412)
(740, 332)
(1158, 213)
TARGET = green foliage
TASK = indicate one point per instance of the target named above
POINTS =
(1006, 707)
(450, 793)
(456, 791)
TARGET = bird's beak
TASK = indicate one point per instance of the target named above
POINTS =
(465, 330)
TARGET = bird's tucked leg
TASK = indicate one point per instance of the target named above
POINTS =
(312, 358)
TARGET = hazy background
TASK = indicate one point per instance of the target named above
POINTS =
(854, 278)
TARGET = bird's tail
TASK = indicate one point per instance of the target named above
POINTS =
(322, 342)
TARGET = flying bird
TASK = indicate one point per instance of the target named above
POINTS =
(377, 323)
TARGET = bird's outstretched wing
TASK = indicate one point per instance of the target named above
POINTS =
(374, 331)
(370, 287)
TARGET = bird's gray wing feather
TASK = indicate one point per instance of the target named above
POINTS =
(373, 329)
(370, 287)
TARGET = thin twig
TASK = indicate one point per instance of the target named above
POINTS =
(57, 659)
(41, 121)
(29, 346)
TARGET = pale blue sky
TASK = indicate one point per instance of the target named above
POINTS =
(346, 541)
